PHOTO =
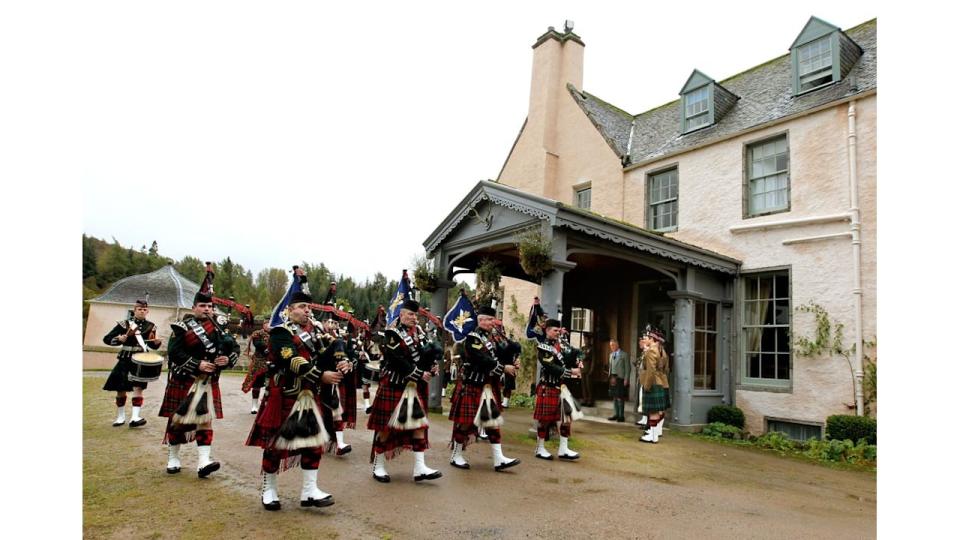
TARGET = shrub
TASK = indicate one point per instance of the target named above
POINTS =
(727, 414)
(719, 430)
(522, 401)
(775, 440)
(841, 450)
(845, 426)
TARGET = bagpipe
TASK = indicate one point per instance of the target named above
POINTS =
(572, 358)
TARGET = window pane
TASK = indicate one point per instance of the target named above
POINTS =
(782, 315)
(783, 366)
(711, 316)
(750, 288)
(753, 363)
(699, 317)
(783, 339)
(768, 366)
(768, 341)
(782, 284)
(752, 338)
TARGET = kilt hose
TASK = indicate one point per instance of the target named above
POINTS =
(117, 381)
(656, 399)
(173, 396)
(266, 427)
(384, 403)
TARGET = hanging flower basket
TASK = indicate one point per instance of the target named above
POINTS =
(536, 253)
(488, 280)
(423, 276)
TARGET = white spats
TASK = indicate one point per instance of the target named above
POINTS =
(542, 451)
(135, 414)
(173, 458)
(420, 469)
(564, 452)
(380, 468)
(500, 461)
(268, 493)
(310, 494)
(457, 459)
(505, 403)
(653, 434)
(121, 417)
(340, 443)
(254, 404)
(366, 403)
(205, 465)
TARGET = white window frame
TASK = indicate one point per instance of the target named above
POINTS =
(813, 67)
(751, 179)
(655, 202)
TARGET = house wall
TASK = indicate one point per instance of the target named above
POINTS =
(710, 202)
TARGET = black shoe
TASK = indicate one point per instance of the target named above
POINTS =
(138, 423)
(115, 424)
(385, 478)
(344, 451)
(271, 506)
(208, 469)
(506, 465)
(255, 412)
(465, 466)
(547, 458)
(483, 437)
(432, 476)
(621, 419)
(613, 418)
(319, 503)
(569, 457)
(173, 470)
(367, 411)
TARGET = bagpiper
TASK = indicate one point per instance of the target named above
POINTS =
(475, 402)
(198, 349)
(554, 403)
(289, 426)
(398, 416)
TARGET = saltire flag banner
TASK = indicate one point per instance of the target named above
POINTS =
(461, 319)
(403, 294)
(298, 284)
(536, 321)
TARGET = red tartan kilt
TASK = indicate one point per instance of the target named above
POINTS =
(263, 436)
(548, 404)
(177, 391)
(466, 401)
(386, 400)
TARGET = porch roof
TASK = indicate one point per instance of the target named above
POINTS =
(579, 220)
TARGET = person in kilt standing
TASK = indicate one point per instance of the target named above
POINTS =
(655, 383)
(550, 401)
(198, 349)
(619, 386)
(125, 335)
(289, 426)
(398, 413)
(257, 370)
(475, 401)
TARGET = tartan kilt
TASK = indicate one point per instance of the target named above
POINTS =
(465, 402)
(348, 400)
(656, 399)
(263, 436)
(621, 389)
(386, 400)
(256, 374)
(547, 407)
(117, 381)
(177, 391)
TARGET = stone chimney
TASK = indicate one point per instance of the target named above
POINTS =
(557, 61)
(533, 162)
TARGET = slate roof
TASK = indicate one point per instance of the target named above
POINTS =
(166, 286)
(765, 95)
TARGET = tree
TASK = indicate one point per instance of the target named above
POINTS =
(191, 268)
(272, 282)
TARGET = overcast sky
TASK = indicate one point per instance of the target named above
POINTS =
(344, 134)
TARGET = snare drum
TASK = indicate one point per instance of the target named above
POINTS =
(146, 367)
(373, 366)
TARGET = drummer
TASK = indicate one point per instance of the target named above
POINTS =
(132, 335)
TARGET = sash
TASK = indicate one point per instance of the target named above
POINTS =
(201, 334)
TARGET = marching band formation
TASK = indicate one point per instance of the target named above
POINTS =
(310, 359)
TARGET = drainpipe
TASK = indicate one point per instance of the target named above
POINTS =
(855, 233)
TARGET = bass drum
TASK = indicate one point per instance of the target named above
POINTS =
(146, 367)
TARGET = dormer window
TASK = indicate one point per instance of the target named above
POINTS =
(821, 55)
(704, 102)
